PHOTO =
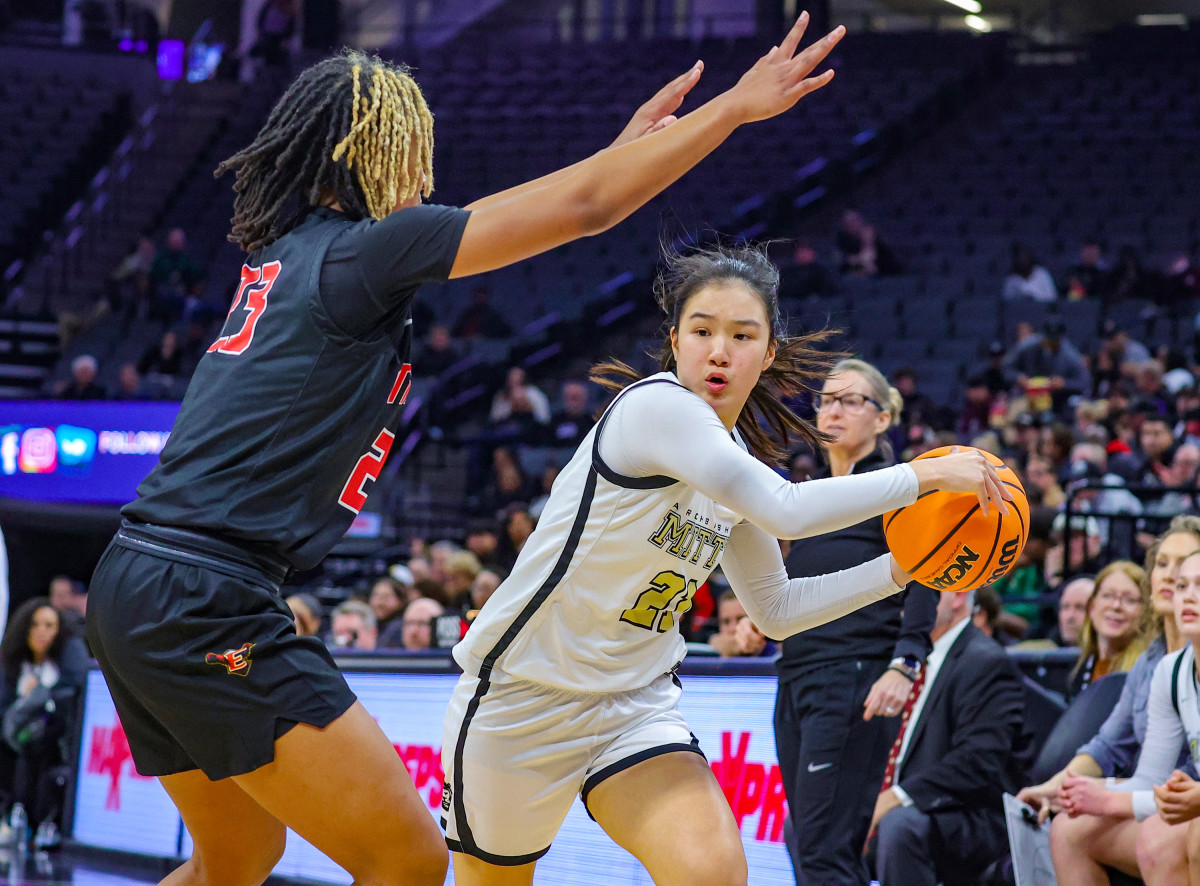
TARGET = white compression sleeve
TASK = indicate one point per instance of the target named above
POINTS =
(1160, 750)
(780, 606)
(664, 429)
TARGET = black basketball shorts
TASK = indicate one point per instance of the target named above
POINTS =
(202, 657)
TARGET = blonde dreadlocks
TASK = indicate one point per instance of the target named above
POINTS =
(353, 126)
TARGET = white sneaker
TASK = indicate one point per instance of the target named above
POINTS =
(47, 836)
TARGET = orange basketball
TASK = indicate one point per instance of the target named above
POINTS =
(944, 541)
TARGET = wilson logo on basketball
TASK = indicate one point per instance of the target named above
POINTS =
(1008, 555)
(236, 661)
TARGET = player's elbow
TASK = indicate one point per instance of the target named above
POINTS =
(592, 209)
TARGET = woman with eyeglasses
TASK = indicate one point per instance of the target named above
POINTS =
(1118, 627)
(843, 685)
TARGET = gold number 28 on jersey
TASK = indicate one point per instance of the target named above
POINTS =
(669, 595)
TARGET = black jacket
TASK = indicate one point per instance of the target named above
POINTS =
(890, 628)
(969, 745)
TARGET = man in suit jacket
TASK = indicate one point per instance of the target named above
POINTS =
(963, 747)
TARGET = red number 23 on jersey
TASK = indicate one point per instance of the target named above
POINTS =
(255, 286)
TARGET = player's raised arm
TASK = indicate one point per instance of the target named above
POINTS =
(604, 189)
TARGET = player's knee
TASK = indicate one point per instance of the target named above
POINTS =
(1069, 837)
(716, 865)
(245, 868)
(420, 864)
(1193, 838)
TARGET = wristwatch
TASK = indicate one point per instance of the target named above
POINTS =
(908, 665)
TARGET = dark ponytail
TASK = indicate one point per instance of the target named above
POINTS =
(766, 422)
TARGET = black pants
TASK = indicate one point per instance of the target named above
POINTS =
(33, 783)
(832, 764)
(913, 848)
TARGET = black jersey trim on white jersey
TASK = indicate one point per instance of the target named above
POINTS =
(657, 481)
(470, 847)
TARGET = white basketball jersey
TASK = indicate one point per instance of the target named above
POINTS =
(594, 600)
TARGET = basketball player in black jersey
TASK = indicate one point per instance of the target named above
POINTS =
(288, 421)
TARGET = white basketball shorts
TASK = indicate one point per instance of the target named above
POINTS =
(517, 754)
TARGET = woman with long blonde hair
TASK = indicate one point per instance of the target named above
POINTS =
(1119, 625)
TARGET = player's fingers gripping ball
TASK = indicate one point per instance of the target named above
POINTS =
(943, 540)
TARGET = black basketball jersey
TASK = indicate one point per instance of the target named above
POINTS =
(294, 409)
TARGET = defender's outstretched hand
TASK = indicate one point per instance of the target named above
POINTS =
(780, 78)
(659, 112)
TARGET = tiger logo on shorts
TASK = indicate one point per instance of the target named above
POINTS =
(236, 661)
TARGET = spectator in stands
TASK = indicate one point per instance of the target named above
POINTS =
(843, 685)
(1118, 627)
(1081, 553)
(1072, 610)
(275, 26)
(483, 587)
(1050, 369)
(1177, 375)
(519, 410)
(82, 385)
(940, 815)
(1187, 414)
(1087, 278)
(806, 276)
(161, 364)
(306, 611)
(976, 414)
(1130, 279)
(461, 570)
(919, 409)
(1118, 356)
(517, 524)
(1150, 394)
(69, 597)
(1182, 283)
(438, 354)
(542, 493)
(860, 250)
(507, 483)
(483, 540)
(1054, 444)
(1082, 843)
(571, 423)
(129, 384)
(1155, 442)
(1027, 279)
(43, 668)
(480, 319)
(387, 600)
(440, 553)
(736, 635)
(1039, 472)
(418, 623)
(130, 286)
(994, 374)
(802, 466)
(352, 626)
(991, 618)
(176, 275)
(1026, 582)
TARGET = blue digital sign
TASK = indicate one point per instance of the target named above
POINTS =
(82, 452)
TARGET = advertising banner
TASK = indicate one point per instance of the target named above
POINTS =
(731, 715)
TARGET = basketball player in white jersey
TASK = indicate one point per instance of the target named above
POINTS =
(568, 684)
